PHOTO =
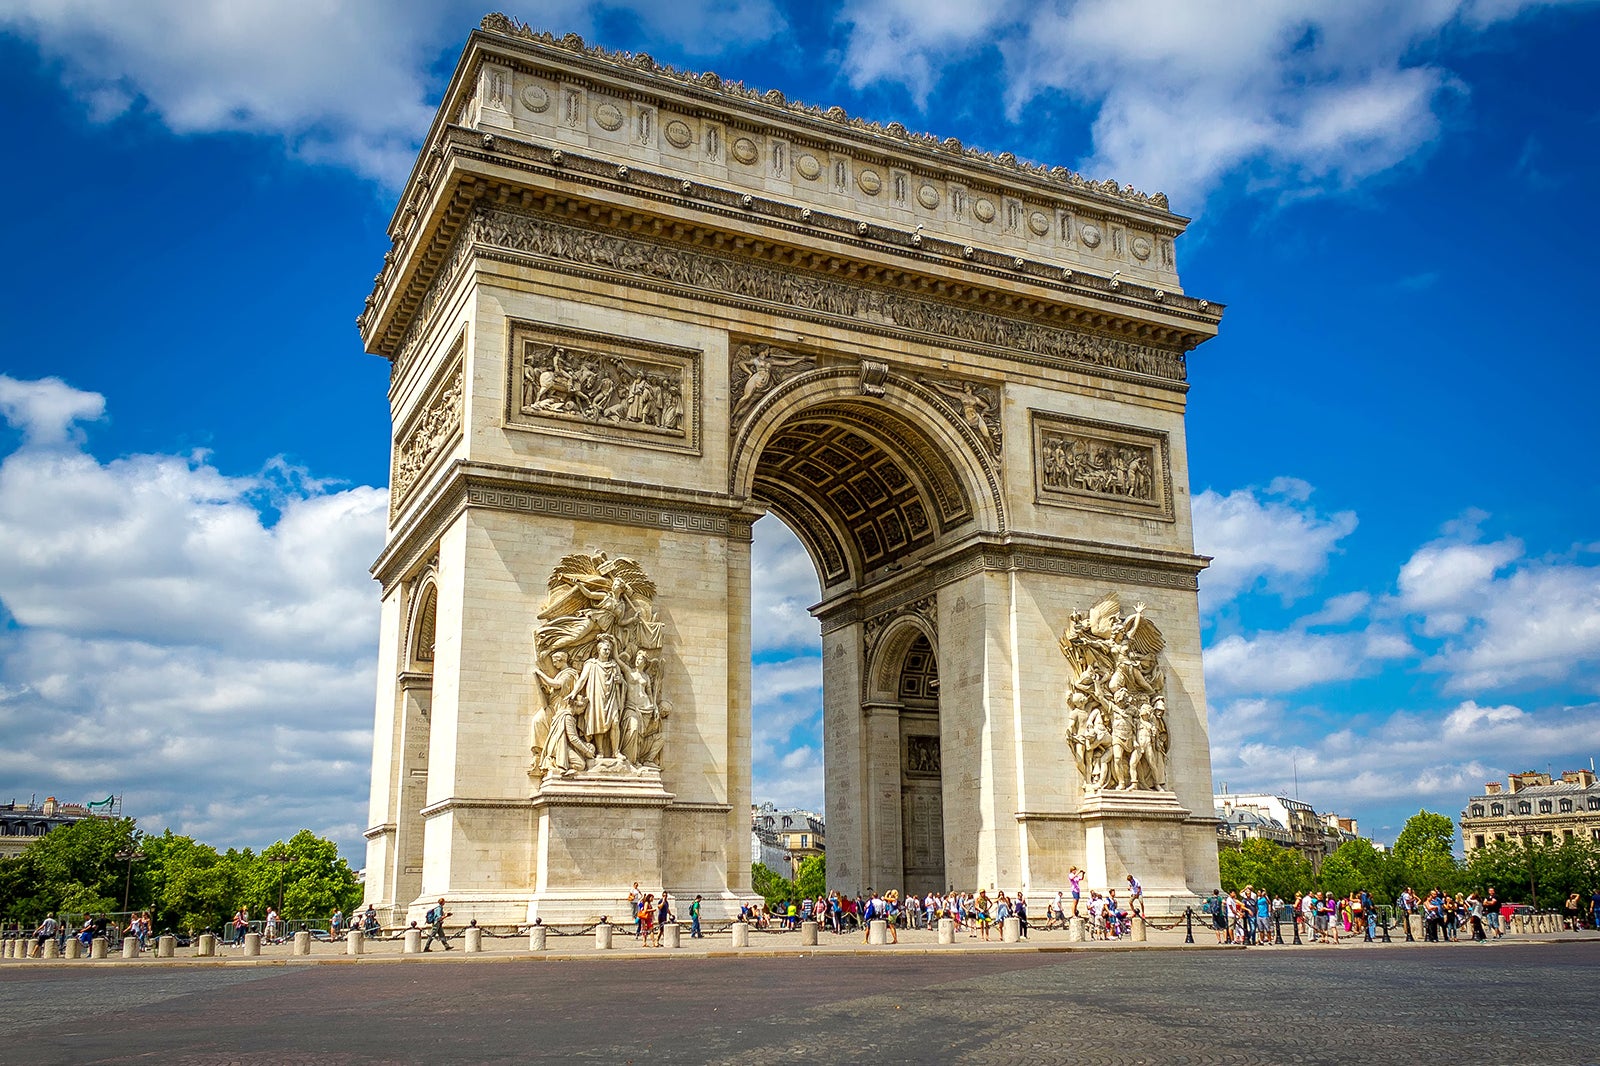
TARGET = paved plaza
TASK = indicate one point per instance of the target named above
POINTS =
(1528, 1001)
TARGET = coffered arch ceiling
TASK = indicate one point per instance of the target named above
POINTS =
(861, 486)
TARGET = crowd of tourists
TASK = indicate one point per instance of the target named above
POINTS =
(979, 915)
(1249, 917)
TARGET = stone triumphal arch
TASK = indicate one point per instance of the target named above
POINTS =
(629, 310)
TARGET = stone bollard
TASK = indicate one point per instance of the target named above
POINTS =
(947, 930)
(52, 950)
(808, 934)
(878, 931)
(602, 936)
(1011, 930)
(74, 948)
(413, 941)
(741, 934)
(302, 943)
(1138, 929)
(130, 947)
(536, 937)
(670, 935)
(252, 944)
(1075, 930)
(166, 946)
(8, 948)
(97, 949)
(206, 946)
(473, 941)
(355, 942)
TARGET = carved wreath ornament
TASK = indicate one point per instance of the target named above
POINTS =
(1116, 703)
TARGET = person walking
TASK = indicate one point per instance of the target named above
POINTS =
(694, 920)
(435, 919)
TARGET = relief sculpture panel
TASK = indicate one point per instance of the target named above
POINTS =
(1102, 467)
(574, 383)
(424, 438)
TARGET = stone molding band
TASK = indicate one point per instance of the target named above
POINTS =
(1075, 559)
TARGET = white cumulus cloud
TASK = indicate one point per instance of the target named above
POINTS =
(199, 643)
(1272, 538)
(1306, 96)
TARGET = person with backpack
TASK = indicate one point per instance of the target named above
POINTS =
(694, 920)
(435, 919)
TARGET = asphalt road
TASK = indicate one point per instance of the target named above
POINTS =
(1526, 1003)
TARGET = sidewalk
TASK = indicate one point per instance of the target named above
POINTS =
(767, 945)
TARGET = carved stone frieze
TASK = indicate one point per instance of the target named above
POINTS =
(509, 27)
(430, 429)
(570, 381)
(1116, 703)
(756, 369)
(1078, 462)
(976, 403)
(719, 276)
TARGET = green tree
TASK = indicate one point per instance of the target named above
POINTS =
(1270, 867)
(316, 882)
(192, 886)
(1357, 865)
(811, 880)
(1424, 852)
(772, 887)
(77, 862)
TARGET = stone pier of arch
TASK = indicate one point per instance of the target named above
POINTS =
(628, 312)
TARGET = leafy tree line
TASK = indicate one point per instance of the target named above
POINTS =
(184, 883)
(1423, 858)
(811, 881)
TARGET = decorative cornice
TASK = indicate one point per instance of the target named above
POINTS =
(476, 803)
(819, 296)
(585, 498)
(827, 122)
(440, 257)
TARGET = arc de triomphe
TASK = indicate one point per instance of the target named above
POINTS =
(629, 310)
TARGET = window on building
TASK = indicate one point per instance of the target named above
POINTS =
(1549, 838)
(1524, 807)
(1477, 840)
(1594, 803)
(1497, 809)
(1477, 810)
(1595, 833)
(1544, 806)
(1566, 806)
(1502, 836)
(805, 841)
(1566, 834)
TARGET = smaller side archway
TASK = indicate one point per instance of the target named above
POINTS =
(905, 845)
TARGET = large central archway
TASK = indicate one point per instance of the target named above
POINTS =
(874, 486)
(628, 312)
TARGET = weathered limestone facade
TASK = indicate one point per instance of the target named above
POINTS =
(629, 311)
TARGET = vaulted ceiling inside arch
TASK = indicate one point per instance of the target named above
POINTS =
(860, 486)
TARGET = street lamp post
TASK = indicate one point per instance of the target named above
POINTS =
(131, 855)
(282, 861)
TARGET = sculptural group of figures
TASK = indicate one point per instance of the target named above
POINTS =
(597, 660)
(1097, 466)
(597, 388)
(1116, 704)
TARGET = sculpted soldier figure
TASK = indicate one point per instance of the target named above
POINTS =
(1116, 714)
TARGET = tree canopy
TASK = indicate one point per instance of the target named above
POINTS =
(184, 883)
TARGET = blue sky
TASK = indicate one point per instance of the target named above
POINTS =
(1390, 442)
